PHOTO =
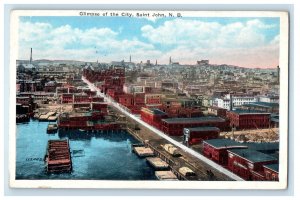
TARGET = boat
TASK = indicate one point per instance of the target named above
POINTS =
(52, 128)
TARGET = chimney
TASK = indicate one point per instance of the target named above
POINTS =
(278, 74)
(30, 61)
(231, 102)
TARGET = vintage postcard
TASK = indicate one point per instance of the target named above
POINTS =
(148, 99)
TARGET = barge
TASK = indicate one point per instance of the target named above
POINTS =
(58, 157)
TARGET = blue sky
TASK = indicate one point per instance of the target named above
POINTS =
(248, 42)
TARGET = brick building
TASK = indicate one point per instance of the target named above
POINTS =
(248, 164)
(153, 116)
(220, 112)
(246, 119)
(216, 149)
(271, 172)
(198, 134)
(175, 126)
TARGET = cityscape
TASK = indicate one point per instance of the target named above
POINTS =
(140, 118)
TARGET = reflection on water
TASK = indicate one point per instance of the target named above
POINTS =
(95, 155)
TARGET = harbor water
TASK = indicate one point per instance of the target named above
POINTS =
(95, 156)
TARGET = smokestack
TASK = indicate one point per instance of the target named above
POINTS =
(278, 74)
(30, 56)
(231, 103)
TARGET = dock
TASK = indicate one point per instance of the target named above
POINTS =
(157, 163)
(166, 176)
(143, 151)
(52, 118)
(45, 117)
(58, 157)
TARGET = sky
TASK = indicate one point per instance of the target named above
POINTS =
(244, 42)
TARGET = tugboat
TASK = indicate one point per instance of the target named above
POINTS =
(52, 128)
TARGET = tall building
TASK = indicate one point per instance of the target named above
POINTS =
(130, 58)
(170, 61)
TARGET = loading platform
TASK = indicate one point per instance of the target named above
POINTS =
(157, 163)
(143, 151)
(166, 176)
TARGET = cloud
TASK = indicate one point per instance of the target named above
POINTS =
(243, 44)
(66, 42)
(207, 34)
(239, 43)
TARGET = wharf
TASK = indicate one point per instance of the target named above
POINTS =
(58, 157)
(175, 158)
(157, 163)
(166, 176)
(50, 116)
(143, 151)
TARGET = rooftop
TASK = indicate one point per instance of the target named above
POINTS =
(194, 120)
(154, 111)
(252, 155)
(274, 167)
(205, 128)
(240, 111)
(224, 143)
(262, 104)
(265, 146)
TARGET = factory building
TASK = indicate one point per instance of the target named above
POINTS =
(216, 149)
(198, 134)
(248, 119)
(248, 163)
(175, 126)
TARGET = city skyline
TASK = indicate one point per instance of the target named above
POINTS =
(244, 42)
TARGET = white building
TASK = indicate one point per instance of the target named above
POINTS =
(269, 99)
(237, 101)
